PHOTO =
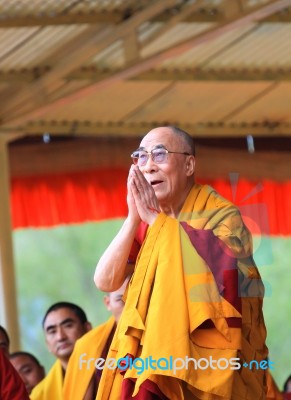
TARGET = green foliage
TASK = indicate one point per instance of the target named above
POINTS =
(274, 265)
(58, 265)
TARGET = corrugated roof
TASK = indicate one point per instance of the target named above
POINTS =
(128, 62)
(30, 47)
(203, 54)
(266, 46)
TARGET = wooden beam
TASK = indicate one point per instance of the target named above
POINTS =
(250, 102)
(232, 8)
(95, 74)
(22, 75)
(8, 303)
(66, 60)
(195, 74)
(72, 55)
(131, 48)
(38, 108)
(124, 129)
(179, 16)
(111, 17)
(216, 15)
(12, 135)
(202, 14)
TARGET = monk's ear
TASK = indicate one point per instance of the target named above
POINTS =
(190, 165)
(88, 326)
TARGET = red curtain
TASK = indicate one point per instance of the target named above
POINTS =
(43, 201)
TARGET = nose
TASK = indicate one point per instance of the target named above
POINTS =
(150, 166)
(60, 335)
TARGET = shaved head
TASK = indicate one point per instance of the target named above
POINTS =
(114, 300)
(186, 138)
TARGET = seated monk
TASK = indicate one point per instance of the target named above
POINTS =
(63, 324)
(28, 367)
(82, 378)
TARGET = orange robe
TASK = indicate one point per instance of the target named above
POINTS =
(183, 303)
(90, 346)
(51, 387)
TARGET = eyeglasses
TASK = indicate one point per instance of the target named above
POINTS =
(159, 156)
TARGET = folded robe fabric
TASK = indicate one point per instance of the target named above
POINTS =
(51, 387)
(195, 295)
(11, 385)
(81, 366)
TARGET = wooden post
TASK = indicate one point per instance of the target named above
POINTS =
(8, 303)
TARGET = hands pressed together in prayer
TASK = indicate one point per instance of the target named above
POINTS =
(141, 198)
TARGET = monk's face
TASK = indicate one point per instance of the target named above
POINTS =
(114, 303)
(170, 180)
(62, 328)
(30, 372)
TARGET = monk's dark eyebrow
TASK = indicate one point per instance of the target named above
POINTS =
(64, 322)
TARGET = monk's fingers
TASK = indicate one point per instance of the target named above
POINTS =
(145, 194)
(138, 173)
(140, 180)
(146, 210)
(145, 188)
(154, 202)
(130, 174)
(144, 191)
(133, 187)
(151, 198)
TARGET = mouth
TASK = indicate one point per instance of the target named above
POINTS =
(156, 182)
(64, 346)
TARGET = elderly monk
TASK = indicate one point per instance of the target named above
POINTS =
(82, 378)
(193, 317)
(63, 324)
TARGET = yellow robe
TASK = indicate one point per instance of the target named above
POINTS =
(173, 292)
(51, 387)
(90, 345)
